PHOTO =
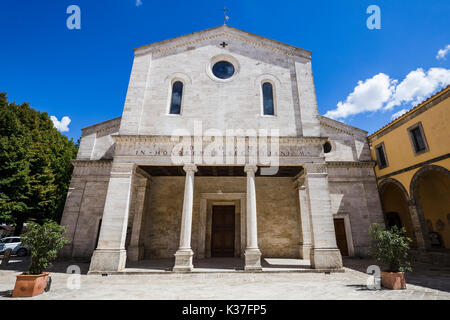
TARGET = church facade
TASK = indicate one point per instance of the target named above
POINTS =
(220, 152)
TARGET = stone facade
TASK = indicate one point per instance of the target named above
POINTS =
(130, 200)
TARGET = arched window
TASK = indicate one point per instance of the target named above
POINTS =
(268, 104)
(177, 94)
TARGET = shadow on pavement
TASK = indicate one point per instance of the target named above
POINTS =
(20, 264)
(424, 275)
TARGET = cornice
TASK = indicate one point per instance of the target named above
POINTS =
(340, 127)
(222, 31)
(92, 163)
(414, 112)
(102, 126)
(347, 164)
(132, 139)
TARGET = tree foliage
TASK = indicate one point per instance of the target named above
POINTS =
(390, 247)
(35, 166)
(44, 242)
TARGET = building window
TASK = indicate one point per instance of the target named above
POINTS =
(327, 147)
(223, 70)
(268, 103)
(417, 138)
(381, 156)
(177, 95)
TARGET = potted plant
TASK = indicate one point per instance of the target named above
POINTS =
(44, 242)
(390, 247)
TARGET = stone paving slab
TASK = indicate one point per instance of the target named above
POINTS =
(429, 282)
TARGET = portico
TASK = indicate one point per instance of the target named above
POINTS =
(238, 187)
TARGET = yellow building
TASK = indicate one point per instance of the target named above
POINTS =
(413, 171)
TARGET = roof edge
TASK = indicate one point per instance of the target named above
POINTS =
(401, 119)
(226, 28)
(344, 124)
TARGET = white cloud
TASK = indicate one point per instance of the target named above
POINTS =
(63, 125)
(398, 114)
(138, 3)
(443, 52)
(419, 85)
(383, 93)
(368, 95)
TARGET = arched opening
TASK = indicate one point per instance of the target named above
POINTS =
(395, 208)
(393, 219)
(177, 95)
(431, 189)
(268, 101)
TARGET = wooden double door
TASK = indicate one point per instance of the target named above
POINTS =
(223, 231)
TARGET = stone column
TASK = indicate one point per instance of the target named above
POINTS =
(305, 222)
(419, 226)
(110, 254)
(324, 253)
(252, 252)
(184, 254)
(141, 184)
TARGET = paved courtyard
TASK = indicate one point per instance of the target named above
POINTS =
(426, 282)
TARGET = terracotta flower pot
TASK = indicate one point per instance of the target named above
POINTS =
(393, 280)
(29, 285)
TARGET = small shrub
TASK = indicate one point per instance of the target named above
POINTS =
(44, 242)
(390, 247)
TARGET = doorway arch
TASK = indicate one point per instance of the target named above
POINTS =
(430, 189)
(395, 204)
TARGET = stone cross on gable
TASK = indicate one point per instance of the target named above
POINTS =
(225, 17)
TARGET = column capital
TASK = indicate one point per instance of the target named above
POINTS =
(250, 168)
(188, 167)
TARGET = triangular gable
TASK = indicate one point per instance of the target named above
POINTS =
(222, 31)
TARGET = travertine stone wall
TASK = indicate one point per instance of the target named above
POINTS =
(234, 104)
(96, 141)
(278, 214)
(353, 191)
(348, 143)
(84, 207)
(90, 214)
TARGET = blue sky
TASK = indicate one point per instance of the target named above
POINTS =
(83, 74)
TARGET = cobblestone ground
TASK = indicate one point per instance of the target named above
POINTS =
(426, 282)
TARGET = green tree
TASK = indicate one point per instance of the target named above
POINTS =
(390, 247)
(44, 242)
(35, 166)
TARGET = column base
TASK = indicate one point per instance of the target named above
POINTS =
(108, 260)
(305, 251)
(326, 258)
(135, 253)
(252, 260)
(183, 261)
